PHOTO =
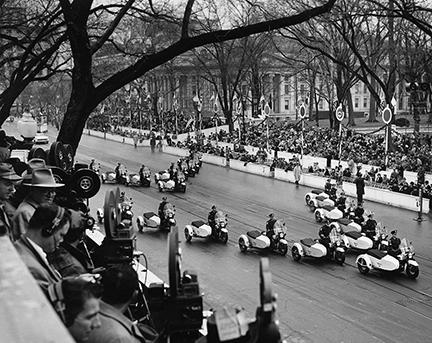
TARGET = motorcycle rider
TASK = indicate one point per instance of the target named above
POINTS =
(141, 174)
(341, 202)
(118, 172)
(369, 227)
(172, 170)
(358, 214)
(269, 226)
(394, 243)
(92, 164)
(324, 236)
(328, 186)
(211, 217)
(161, 208)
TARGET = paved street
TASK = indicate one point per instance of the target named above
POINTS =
(317, 301)
(314, 296)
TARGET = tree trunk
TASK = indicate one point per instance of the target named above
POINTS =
(350, 111)
(372, 104)
(229, 120)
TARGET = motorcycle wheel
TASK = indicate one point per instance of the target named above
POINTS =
(242, 245)
(295, 253)
(339, 258)
(318, 217)
(412, 271)
(188, 237)
(312, 206)
(224, 237)
(160, 189)
(362, 266)
(307, 199)
(283, 249)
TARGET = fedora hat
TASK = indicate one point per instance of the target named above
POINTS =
(8, 173)
(34, 163)
(42, 177)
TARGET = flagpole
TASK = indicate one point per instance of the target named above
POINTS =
(386, 145)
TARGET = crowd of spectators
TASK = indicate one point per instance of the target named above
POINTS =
(408, 150)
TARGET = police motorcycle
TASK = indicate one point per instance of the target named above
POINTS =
(126, 213)
(163, 220)
(313, 194)
(111, 177)
(255, 239)
(399, 261)
(201, 229)
(184, 167)
(351, 232)
(320, 200)
(330, 245)
(176, 185)
(145, 182)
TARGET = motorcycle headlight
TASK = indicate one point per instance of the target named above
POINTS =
(410, 255)
(281, 235)
(338, 244)
(222, 224)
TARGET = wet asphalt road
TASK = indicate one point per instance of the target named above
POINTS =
(318, 301)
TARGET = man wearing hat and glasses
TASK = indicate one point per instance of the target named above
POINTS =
(42, 190)
(8, 178)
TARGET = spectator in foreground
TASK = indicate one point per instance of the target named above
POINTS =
(47, 227)
(8, 178)
(120, 285)
(72, 257)
(77, 302)
(42, 191)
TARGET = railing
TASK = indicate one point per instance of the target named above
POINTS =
(25, 313)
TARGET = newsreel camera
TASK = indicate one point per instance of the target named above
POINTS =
(178, 310)
(81, 183)
(118, 246)
(233, 327)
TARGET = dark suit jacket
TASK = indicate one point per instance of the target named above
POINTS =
(115, 328)
(41, 271)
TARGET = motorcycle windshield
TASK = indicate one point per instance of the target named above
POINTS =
(279, 227)
(146, 171)
(405, 247)
(180, 175)
(220, 217)
(168, 209)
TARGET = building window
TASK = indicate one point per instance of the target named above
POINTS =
(357, 88)
(321, 105)
(365, 89)
(356, 102)
(287, 85)
(365, 102)
(287, 105)
(194, 90)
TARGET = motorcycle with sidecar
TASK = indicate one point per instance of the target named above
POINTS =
(380, 260)
(255, 239)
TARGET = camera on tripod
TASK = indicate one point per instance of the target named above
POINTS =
(178, 310)
(118, 246)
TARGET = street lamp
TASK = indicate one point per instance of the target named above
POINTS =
(197, 101)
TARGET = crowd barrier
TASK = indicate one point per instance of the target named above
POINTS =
(26, 315)
(379, 195)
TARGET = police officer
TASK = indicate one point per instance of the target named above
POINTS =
(394, 243)
(369, 228)
(269, 226)
(161, 208)
(211, 216)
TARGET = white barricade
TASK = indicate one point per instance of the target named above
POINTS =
(213, 159)
(379, 195)
(252, 168)
(175, 151)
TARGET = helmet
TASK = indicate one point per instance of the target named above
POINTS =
(271, 215)
(164, 198)
(213, 207)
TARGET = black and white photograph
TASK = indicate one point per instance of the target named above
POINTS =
(205, 171)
